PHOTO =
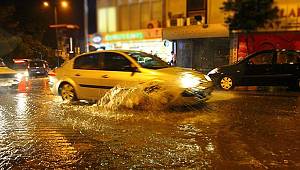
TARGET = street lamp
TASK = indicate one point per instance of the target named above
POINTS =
(64, 4)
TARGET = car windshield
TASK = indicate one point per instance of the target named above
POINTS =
(147, 60)
(20, 66)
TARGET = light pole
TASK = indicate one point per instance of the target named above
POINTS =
(86, 25)
(64, 4)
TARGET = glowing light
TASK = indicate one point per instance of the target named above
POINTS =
(46, 4)
(189, 80)
(64, 4)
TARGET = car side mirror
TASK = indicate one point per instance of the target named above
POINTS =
(134, 70)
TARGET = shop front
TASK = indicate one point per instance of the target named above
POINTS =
(147, 40)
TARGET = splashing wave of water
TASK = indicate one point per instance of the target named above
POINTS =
(151, 95)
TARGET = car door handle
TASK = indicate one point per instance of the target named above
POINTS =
(77, 75)
(105, 76)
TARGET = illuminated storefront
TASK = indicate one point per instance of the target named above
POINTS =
(148, 40)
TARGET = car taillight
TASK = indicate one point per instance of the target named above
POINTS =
(52, 73)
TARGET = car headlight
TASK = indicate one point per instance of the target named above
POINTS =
(26, 74)
(188, 80)
(207, 78)
(214, 71)
(19, 76)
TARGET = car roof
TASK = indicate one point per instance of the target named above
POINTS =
(118, 51)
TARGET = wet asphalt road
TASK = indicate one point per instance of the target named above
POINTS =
(233, 130)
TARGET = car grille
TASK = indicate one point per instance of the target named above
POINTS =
(7, 75)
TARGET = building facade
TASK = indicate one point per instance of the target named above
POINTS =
(133, 25)
(193, 29)
(197, 27)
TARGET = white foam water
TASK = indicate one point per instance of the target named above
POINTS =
(147, 96)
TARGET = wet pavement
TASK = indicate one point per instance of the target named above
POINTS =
(233, 130)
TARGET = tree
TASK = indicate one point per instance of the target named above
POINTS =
(249, 15)
(22, 30)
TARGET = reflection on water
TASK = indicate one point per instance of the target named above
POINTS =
(234, 131)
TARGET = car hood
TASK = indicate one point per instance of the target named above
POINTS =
(6, 70)
(177, 71)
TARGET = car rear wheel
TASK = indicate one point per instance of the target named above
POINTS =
(68, 92)
(226, 83)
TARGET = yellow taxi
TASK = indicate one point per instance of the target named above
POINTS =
(89, 76)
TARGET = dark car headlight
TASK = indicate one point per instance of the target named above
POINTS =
(213, 71)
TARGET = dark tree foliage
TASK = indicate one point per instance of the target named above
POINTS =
(22, 29)
(248, 15)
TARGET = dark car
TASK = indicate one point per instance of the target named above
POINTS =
(38, 68)
(263, 68)
(31, 68)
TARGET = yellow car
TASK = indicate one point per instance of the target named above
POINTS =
(8, 77)
(89, 76)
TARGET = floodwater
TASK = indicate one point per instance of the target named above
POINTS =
(232, 130)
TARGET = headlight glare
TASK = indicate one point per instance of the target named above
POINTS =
(19, 76)
(189, 81)
(207, 78)
(214, 71)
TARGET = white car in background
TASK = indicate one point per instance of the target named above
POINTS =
(89, 76)
(8, 77)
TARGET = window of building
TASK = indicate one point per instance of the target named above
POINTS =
(196, 9)
(134, 16)
(107, 19)
(137, 14)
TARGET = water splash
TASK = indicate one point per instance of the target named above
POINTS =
(147, 96)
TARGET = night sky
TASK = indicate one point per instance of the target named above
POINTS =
(28, 10)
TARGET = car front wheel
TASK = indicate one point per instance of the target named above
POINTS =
(68, 93)
(226, 83)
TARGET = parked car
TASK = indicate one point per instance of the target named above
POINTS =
(32, 68)
(8, 77)
(88, 75)
(263, 68)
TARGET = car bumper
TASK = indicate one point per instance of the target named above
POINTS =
(195, 95)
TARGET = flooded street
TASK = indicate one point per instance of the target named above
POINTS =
(233, 130)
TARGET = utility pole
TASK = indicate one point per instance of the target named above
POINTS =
(86, 26)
